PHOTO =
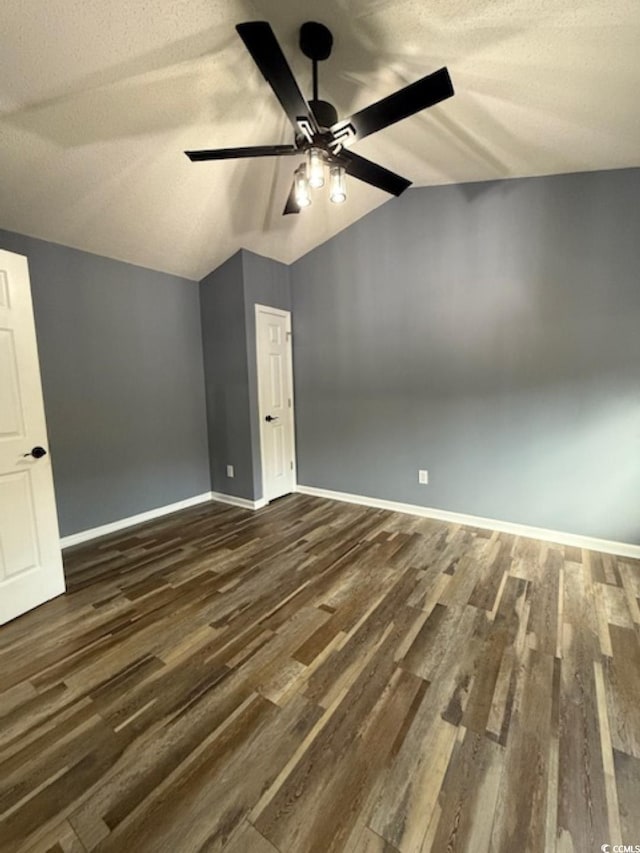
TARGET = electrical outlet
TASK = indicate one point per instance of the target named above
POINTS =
(423, 477)
(230, 472)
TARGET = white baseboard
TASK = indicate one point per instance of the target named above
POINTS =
(234, 501)
(620, 549)
(132, 520)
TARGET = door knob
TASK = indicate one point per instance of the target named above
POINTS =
(269, 418)
(37, 452)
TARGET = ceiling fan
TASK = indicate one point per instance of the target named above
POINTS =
(319, 135)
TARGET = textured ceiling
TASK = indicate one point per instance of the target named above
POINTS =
(99, 98)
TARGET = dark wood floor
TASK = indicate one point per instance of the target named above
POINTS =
(319, 676)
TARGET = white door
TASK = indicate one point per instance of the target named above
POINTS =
(275, 400)
(30, 559)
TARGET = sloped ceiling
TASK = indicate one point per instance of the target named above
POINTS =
(99, 98)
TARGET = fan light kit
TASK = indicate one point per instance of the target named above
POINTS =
(337, 185)
(301, 186)
(310, 175)
(315, 168)
(319, 137)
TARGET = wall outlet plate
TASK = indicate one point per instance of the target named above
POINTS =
(423, 476)
(230, 472)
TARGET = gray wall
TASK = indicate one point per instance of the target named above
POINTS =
(227, 298)
(121, 365)
(489, 333)
(226, 378)
(266, 282)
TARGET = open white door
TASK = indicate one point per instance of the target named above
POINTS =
(275, 401)
(30, 559)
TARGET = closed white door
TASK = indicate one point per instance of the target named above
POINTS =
(275, 398)
(30, 559)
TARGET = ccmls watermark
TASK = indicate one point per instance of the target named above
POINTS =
(620, 848)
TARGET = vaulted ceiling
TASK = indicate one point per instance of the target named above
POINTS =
(99, 99)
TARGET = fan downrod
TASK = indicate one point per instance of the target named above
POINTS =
(316, 42)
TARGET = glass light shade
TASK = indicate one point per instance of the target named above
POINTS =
(303, 199)
(337, 185)
(315, 168)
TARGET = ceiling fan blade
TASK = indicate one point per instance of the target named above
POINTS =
(252, 151)
(292, 205)
(263, 46)
(417, 96)
(371, 173)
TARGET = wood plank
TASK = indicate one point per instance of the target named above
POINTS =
(347, 754)
(622, 680)
(404, 810)
(60, 839)
(627, 769)
(582, 789)
(521, 805)
(468, 795)
(500, 637)
(611, 789)
(204, 801)
(323, 676)
(249, 839)
(543, 615)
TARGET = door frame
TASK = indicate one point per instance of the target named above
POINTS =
(258, 308)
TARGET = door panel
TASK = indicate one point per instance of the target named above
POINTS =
(275, 334)
(11, 418)
(275, 386)
(278, 450)
(30, 559)
(19, 545)
(4, 290)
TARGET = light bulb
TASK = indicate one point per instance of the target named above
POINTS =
(303, 199)
(337, 185)
(315, 168)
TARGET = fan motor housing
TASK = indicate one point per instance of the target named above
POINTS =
(325, 113)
